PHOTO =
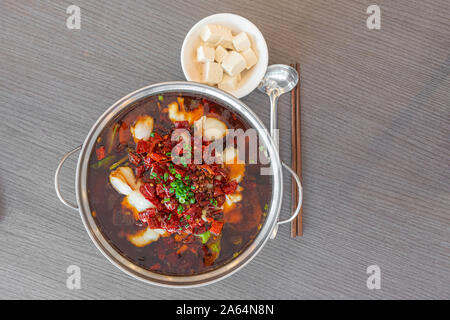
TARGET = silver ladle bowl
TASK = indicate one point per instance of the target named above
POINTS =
(279, 79)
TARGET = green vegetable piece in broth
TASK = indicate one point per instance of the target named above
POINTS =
(118, 163)
(214, 247)
(113, 137)
(104, 162)
(204, 237)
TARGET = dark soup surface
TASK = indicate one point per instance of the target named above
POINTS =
(170, 188)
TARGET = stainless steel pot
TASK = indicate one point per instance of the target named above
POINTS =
(268, 229)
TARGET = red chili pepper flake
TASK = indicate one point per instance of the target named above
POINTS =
(220, 200)
(142, 146)
(100, 152)
(139, 171)
(147, 214)
(230, 187)
(207, 169)
(156, 266)
(148, 163)
(182, 125)
(154, 223)
(171, 205)
(156, 136)
(217, 191)
(148, 191)
(216, 227)
(158, 157)
(124, 133)
(134, 158)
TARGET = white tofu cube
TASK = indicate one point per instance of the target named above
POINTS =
(211, 34)
(205, 54)
(241, 42)
(212, 73)
(233, 63)
(227, 38)
(220, 54)
(229, 83)
(217, 35)
(250, 57)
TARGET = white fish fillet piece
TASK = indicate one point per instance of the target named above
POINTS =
(230, 155)
(233, 198)
(138, 201)
(211, 128)
(123, 180)
(177, 112)
(142, 128)
(141, 239)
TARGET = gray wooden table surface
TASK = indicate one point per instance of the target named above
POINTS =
(376, 142)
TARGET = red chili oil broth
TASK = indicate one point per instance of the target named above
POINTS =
(105, 201)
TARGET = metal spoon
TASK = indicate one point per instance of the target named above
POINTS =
(279, 79)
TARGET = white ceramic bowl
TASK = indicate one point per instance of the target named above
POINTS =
(250, 78)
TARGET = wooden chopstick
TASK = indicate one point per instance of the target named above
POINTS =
(299, 148)
(294, 156)
(297, 224)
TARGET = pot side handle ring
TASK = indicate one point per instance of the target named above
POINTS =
(58, 169)
(299, 205)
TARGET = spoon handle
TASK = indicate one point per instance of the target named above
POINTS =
(274, 117)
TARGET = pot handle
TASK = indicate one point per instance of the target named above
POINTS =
(300, 201)
(58, 169)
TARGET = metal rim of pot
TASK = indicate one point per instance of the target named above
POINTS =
(268, 229)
